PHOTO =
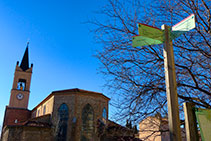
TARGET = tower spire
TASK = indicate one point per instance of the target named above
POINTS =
(25, 60)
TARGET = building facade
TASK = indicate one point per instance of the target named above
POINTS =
(65, 115)
(156, 128)
(71, 114)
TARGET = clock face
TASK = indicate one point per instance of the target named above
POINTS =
(19, 96)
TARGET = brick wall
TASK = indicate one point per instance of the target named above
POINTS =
(15, 116)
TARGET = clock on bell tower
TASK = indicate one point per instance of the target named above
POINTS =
(21, 84)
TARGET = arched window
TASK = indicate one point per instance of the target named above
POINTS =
(104, 114)
(62, 124)
(87, 123)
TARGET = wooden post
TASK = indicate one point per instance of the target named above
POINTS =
(171, 88)
(190, 122)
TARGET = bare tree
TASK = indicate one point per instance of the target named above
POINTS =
(136, 75)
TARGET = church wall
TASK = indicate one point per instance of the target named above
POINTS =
(59, 99)
(97, 102)
(76, 102)
(25, 133)
(12, 133)
(36, 134)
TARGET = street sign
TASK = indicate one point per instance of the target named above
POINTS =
(149, 35)
(185, 25)
(182, 27)
(150, 32)
(143, 41)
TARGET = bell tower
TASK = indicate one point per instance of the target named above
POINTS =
(21, 84)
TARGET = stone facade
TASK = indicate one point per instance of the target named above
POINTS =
(26, 133)
(75, 99)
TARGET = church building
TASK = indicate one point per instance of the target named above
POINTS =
(64, 115)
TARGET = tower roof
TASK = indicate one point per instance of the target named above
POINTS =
(25, 60)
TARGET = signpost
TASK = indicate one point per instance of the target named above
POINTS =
(171, 88)
(153, 35)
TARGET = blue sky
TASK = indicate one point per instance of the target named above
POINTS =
(61, 46)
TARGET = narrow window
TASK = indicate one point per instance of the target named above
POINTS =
(104, 114)
(62, 124)
(87, 123)
(44, 109)
(38, 113)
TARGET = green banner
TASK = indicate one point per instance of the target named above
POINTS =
(143, 41)
(148, 36)
(150, 32)
(204, 119)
